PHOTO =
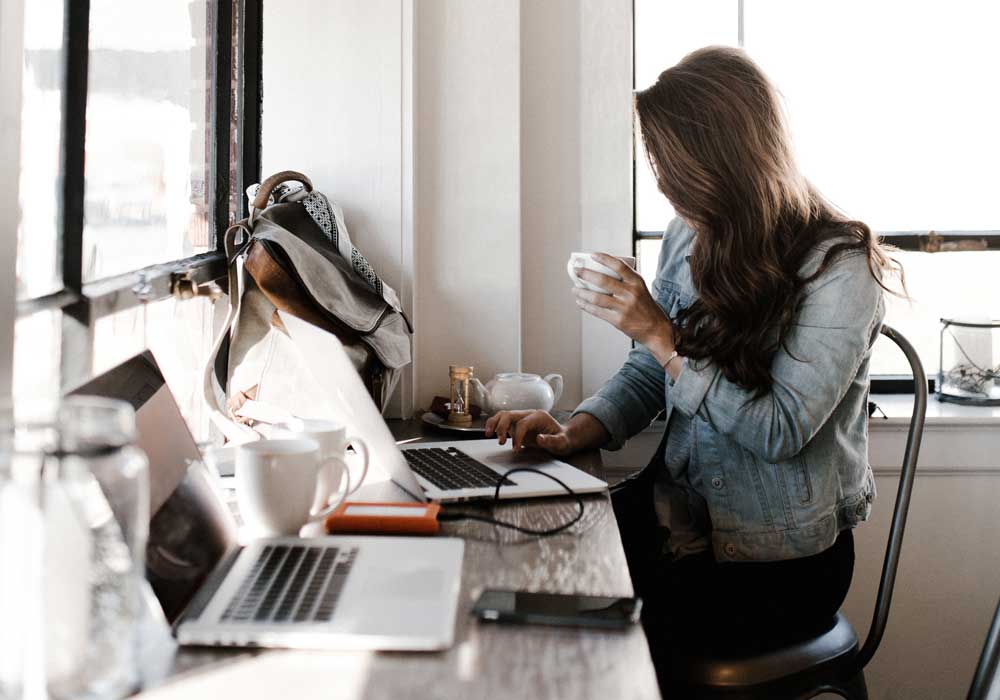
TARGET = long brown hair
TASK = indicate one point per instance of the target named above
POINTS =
(716, 139)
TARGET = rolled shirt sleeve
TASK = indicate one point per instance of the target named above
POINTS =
(629, 401)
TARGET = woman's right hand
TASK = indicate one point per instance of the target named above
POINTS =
(530, 429)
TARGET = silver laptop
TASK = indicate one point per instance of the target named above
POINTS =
(385, 593)
(437, 471)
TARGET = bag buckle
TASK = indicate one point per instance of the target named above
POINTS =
(182, 286)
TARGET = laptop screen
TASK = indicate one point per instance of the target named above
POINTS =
(190, 527)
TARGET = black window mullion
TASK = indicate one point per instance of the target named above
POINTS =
(76, 347)
(250, 91)
(76, 40)
(897, 384)
(222, 115)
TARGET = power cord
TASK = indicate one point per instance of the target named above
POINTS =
(628, 481)
(459, 515)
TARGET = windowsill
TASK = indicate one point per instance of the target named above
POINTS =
(898, 408)
(957, 440)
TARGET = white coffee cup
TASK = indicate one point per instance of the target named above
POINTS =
(333, 442)
(586, 261)
(280, 482)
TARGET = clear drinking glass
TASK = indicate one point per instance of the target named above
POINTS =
(74, 517)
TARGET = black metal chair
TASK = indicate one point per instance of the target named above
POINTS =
(831, 661)
(987, 678)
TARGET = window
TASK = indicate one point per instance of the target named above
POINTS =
(139, 126)
(37, 271)
(149, 109)
(892, 108)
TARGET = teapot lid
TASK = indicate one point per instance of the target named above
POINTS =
(517, 376)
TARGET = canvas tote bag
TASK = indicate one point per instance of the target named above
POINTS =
(293, 253)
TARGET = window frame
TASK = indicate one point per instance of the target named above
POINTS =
(82, 304)
(929, 241)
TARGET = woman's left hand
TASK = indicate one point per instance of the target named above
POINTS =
(629, 307)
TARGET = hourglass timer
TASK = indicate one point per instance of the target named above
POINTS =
(458, 412)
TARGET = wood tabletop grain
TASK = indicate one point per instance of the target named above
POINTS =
(487, 660)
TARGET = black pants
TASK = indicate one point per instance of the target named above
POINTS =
(696, 603)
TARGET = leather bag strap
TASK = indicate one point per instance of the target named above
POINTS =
(211, 390)
(266, 187)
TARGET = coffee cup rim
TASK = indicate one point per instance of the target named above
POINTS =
(281, 446)
(629, 260)
(311, 425)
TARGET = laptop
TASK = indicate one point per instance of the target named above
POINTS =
(372, 593)
(436, 471)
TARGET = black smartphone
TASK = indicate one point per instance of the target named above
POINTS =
(567, 610)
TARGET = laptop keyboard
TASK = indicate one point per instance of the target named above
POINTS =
(292, 583)
(452, 469)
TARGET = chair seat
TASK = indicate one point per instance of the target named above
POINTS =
(838, 642)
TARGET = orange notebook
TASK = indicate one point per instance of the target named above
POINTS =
(356, 518)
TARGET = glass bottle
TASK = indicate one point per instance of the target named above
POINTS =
(74, 518)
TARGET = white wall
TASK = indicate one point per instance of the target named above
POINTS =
(468, 199)
(333, 96)
(453, 135)
(11, 57)
(947, 587)
(523, 154)
(949, 572)
(576, 178)
(550, 188)
(606, 162)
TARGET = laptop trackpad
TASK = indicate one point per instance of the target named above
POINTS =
(503, 457)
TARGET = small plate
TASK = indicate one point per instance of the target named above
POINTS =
(478, 425)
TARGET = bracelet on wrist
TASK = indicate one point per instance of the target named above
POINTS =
(673, 356)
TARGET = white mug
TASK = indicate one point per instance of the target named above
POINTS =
(280, 482)
(585, 260)
(333, 442)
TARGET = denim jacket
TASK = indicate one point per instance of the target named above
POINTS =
(782, 474)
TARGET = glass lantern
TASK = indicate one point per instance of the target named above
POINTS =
(969, 370)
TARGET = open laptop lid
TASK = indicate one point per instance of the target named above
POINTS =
(190, 527)
(346, 399)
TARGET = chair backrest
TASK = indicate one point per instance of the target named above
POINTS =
(989, 663)
(902, 506)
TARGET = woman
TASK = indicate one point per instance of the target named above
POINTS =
(755, 345)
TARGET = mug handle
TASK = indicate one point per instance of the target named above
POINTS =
(361, 448)
(331, 506)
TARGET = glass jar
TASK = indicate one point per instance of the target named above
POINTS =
(969, 369)
(74, 517)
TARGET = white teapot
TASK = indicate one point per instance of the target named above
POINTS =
(513, 391)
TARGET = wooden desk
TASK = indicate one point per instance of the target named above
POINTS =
(487, 661)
